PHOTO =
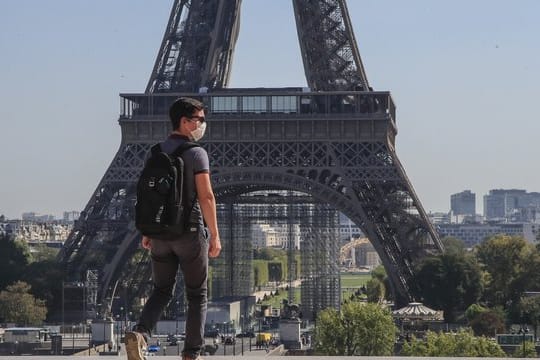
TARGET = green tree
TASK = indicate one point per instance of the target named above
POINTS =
(473, 310)
(45, 279)
(450, 282)
(527, 350)
(530, 276)
(375, 291)
(453, 245)
(461, 344)
(379, 273)
(19, 306)
(14, 257)
(488, 323)
(504, 259)
(42, 252)
(358, 329)
(530, 309)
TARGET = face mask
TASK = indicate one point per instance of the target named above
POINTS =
(198, 133)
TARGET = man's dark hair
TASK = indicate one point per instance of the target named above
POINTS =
(183, 106)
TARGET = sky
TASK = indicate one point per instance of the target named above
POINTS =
(465, 77)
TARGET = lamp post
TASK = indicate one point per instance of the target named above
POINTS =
(72, 339)
(523, 330)
(118, 322)
(176, 335)
(225, 330)
(233, 339)
(250, 324)
(242, 332)
(63, 308)
(122, 320)
(89, 340)
(523, 343)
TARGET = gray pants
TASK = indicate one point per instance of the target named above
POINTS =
(190, 252)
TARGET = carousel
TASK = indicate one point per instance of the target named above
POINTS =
(416, 318)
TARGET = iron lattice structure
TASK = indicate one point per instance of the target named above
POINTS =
(334, 142)
(311, 240)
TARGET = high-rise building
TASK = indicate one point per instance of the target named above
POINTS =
(512, 205)
(463, 203)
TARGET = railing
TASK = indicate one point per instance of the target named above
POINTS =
(238, 103)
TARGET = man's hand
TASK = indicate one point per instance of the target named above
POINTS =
(146, 243)
(214, 247)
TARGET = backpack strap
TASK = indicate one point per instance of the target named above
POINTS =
(178, 152)
(185, 146)
(156, 148)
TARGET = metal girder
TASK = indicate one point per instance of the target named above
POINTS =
(329, 49)
(198, 45)
(197, 48)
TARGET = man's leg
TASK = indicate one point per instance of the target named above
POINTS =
(164, 267)
(194, 265)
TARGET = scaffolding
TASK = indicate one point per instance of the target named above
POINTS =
(321, 285)
(91, 285)
(311, 231)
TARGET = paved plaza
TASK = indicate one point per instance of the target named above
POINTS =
(251, 357)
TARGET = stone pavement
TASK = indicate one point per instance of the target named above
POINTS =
(123, 357)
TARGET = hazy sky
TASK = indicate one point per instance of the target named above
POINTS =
(464, 75)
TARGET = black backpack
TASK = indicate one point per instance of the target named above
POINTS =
(160, 210)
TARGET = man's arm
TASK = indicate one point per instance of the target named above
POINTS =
(207, 201)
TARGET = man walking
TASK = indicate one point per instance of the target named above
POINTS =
(191, 250)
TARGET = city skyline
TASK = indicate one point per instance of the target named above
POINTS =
(462, 82)
(479, 201)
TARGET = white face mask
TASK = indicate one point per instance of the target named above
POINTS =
(198, 133)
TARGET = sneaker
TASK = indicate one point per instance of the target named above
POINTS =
(135, 345)
(191, 357)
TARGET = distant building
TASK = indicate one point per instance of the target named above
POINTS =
(275, 235)
(439, 217)
(512, 205)
(70, 216)
(348, 229)
(52, 233)
(474, 234)
(32, 216)
(230, 314)
(366, 255)
(463, 203)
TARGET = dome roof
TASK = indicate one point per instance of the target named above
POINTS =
(417, 311)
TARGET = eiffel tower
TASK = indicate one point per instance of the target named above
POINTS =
(333, 141)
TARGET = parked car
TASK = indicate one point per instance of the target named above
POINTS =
(212, 333)
(153, 348)
(247, 334)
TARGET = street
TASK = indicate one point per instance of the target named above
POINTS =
(242, 346)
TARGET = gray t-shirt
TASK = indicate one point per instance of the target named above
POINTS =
(195, 162)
